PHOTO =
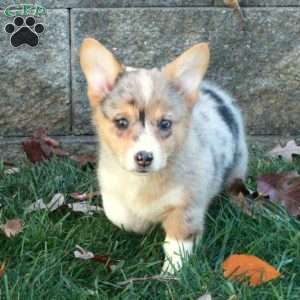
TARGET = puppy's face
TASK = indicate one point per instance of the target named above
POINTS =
(145, 120)
(142, 115)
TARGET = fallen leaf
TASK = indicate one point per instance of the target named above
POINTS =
(12, 171)
(205, 297)
(85, 208)
(84, 254)
(60, 152)
(12, 227)
(41, 147)
(34, 151)
(236, 6)
(57, 201)
(36, 206)
(40, 133)
(8, 163)
(85, 159)
(2, 269)
(84, 196)
(282, 188)
(287, 152)
(249, 267)
(159, 277)
(232, 3)
(270, 184)
(249, 202)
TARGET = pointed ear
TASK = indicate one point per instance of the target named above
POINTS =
(100, 68)
(187, 71)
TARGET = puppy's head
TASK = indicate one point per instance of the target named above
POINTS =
(142, 116)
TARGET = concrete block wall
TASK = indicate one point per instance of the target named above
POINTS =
(44, 87)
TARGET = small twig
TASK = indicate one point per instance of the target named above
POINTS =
(236, 7)
(153, 277)
(241, 16)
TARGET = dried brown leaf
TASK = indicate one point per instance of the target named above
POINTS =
(60, 152)
(36, 206)
(8, 163)
(84, 196)
(234, 4)
(85, 159)
(270, 184)
(57, 201)
(41, 147)
(249, 202)
(34, 151)
(12, 227)
(84, 254)
(287, 152)
(283, 188)
(85, 207)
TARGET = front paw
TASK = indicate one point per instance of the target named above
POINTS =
(176, 252)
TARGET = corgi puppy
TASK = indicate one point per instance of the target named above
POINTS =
(169, 144)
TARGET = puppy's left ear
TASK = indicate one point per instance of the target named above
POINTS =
(187, 71)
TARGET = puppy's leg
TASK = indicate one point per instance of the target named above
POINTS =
(122, 217)
(179, 240)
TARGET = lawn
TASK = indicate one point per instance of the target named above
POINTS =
(40, 263)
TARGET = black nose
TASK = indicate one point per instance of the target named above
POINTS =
(144, 158)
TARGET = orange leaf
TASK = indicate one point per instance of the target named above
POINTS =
(241, 267)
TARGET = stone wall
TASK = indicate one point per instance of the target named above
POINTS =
(258, 62)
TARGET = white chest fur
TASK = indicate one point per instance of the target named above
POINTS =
(126, 197)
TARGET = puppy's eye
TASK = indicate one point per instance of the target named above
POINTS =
(122, 123)
(165, 124)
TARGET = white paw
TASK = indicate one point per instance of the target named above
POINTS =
(170, 268)
(176, 252)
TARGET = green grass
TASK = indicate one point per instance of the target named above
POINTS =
(41, 265)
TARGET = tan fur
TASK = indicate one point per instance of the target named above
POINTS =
(175, 229)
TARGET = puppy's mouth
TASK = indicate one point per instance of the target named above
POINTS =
(142, 171)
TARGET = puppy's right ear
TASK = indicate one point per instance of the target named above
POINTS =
(100, 68)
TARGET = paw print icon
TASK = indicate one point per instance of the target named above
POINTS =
(24, 31)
